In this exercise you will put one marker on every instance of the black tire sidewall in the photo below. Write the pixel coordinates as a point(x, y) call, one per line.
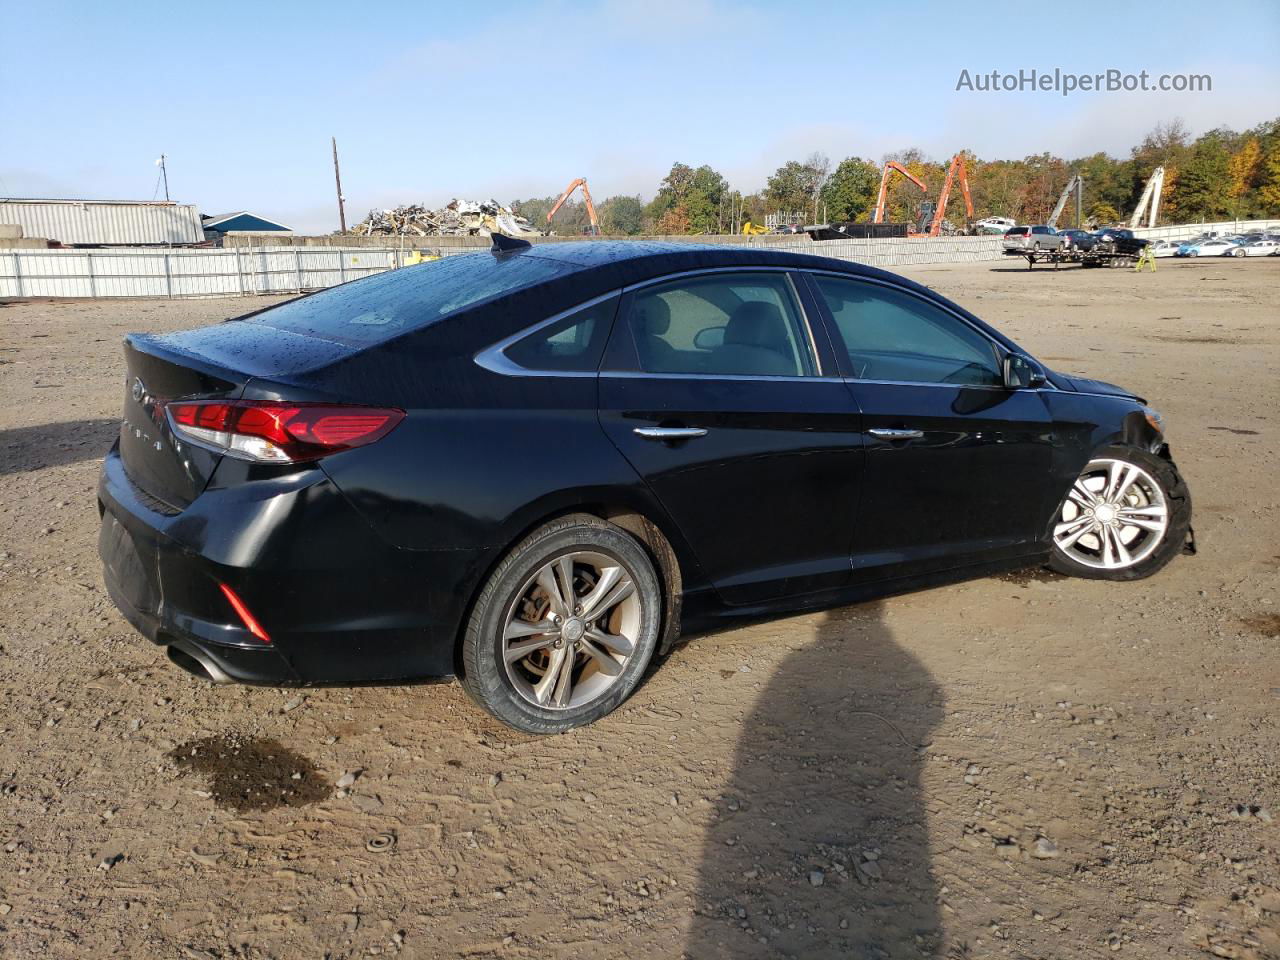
point(484, 676)
point(1176, 495)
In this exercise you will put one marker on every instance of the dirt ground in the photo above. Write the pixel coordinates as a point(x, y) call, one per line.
point(1024, 767)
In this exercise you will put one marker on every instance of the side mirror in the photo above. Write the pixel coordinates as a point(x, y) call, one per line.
point(1022, 373)
point(709, 338)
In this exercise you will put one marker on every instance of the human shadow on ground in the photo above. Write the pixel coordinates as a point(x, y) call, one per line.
point(55, 444)
point(821, 845)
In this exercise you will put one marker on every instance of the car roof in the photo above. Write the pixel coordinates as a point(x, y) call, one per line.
point(643, 259)
point(602, 265)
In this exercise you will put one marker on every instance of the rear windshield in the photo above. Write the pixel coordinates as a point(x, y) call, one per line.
point(378, 308)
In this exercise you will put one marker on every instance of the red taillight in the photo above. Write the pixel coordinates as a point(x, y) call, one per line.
point(247, 618)
point(279, 432)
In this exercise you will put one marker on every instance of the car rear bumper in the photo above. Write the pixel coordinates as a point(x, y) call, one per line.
point(338, 603)
point(218, 662)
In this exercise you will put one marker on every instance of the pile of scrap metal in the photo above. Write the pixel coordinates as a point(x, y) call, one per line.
point(461, 218)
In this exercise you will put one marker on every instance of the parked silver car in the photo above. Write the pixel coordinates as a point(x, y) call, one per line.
point(1029, 239)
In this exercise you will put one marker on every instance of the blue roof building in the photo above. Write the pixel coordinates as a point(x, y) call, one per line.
point(242, 222)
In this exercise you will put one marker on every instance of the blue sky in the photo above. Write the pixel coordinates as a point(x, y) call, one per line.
point(431, 100)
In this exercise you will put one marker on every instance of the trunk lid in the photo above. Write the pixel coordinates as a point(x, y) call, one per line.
point(208, 363)
point(162, 466)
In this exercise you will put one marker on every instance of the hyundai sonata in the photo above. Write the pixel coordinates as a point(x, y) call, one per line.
point(529, 467)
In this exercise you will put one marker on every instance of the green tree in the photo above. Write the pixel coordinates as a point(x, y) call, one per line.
point(795, 185)
point(850, 191)
point(1269, 190)
point(699, 193)
point(1168, 146)
point(1106, 186)
point(622, 216)
point(1203, 187)
point(1246, 170)
point(674, 221)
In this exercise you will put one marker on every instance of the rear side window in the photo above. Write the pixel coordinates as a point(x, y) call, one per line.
point(571, 344)
point(378, 308)
point(725, 324)
point(891, 335)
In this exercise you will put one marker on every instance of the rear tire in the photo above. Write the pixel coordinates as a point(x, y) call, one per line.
point(545, 662)
point(1125, 518)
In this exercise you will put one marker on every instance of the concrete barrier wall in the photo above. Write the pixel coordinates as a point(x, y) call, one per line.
point(1184, 231)
point(901, 251)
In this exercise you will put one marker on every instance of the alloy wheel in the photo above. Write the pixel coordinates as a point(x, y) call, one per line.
point(1113, 517)
point(571, 630)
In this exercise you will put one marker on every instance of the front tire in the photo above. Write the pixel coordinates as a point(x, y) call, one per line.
point(1125, 517)
point(564, 627)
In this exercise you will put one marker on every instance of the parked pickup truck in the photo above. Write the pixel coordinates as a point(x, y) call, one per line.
point(1024, 240)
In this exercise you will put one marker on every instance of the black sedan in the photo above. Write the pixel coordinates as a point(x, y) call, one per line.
point(1120, 240)
point(529, 467)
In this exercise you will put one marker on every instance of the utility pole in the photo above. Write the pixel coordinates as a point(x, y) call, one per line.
point(337, 179)
point(165, 174)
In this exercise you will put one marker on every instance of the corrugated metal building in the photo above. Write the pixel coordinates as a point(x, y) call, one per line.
point(105, 222)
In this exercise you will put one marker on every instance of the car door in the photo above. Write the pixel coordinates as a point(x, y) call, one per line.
point(717, 392)
point(958, 466)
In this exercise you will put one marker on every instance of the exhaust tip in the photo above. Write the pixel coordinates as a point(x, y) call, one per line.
point(196, 665)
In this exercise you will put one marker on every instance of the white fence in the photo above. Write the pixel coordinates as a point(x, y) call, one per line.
point(189, 273)
point(245, 272)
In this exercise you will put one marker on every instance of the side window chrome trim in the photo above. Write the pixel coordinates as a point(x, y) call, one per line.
point(643, 375)
point(797, 300)
point(1000, 347)
point(494, 358)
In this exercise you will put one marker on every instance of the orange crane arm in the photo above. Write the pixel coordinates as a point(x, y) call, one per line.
point(586, 195)
point(892, 165)
point(957, 168)
point(591, 209)
point(964, 190)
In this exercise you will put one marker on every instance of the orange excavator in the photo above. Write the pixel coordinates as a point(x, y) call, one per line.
point(955, 172)
point(890, 167)
point(594, 229)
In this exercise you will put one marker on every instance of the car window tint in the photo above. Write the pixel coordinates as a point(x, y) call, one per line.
point(741, 324)
point(891, 335)
point(573, 343)
point(378, 308)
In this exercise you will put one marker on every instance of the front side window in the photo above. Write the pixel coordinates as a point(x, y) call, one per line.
point(892, 335)
point(571, 344)
point(738, 324)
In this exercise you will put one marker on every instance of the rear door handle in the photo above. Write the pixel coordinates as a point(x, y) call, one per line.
point(887, 433)
point(670, 433)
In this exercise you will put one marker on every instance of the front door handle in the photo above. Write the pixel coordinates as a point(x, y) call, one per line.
point(670, 433)
point(887, 433)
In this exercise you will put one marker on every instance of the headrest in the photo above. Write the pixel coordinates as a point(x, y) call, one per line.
point(757, 324)
point(654, 317)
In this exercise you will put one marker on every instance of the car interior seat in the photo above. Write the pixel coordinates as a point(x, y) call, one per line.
point(653, 320)
point(756, 343)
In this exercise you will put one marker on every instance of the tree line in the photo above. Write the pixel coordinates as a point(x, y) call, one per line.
point(1220, 175)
